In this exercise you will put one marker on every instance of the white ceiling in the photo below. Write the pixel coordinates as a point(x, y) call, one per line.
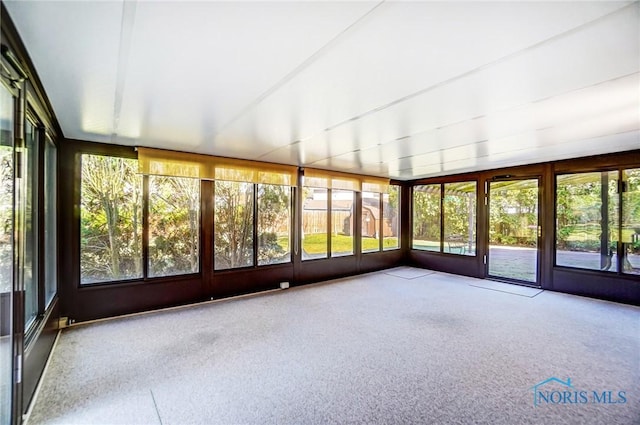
point(397, 89)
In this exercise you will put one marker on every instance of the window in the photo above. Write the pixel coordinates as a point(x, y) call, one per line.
point(459, 216)
point(252, 207)
point(426, 217)
point(233, 225)
point(380, 219)
point(6, 193)
point(589, 228)
point(370, 222)
point(274, 224)
point(329, 190)
point(30, 156)
point(6, 252)
point(110, 219)
point(447, 209)
point(174, 225)
point(587, 220)
point(391, 218)
point(631, 221)
point(341, 222)
point(50, 220)
point(314, 223)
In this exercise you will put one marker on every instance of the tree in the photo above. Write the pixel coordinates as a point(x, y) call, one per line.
point(111, 200)
point(390, 209)
point(274, 205)
point(513, 214)
point(426, 213)
point(174, 225)
point(6, 218)
point(233, 224)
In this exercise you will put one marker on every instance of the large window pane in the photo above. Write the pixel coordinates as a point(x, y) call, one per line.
point(391, 218)
point(174, 225)
point(631, 221)
point(341, 222)
point(30, 157)
point(314, 223)
point(6, 252)
point(587, 220)
point(426, 217)
point(111, 219)
point(513, 229)
point(233, 231)
point(274, 224)
point(50, 230)
point(370, 222)
point(459, 215)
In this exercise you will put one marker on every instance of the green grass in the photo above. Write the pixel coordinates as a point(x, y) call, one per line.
point(591, 232)
point(283, 241)
point(389, 242)
point(582, 232)
point(317, 243)
point(372, 244)
point(341, 244)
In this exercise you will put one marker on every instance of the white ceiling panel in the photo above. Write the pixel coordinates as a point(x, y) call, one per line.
point(186, 68)
point(555, 151)
point(216, 59)
point(578, 111)
point(74, 47)
point(533, 77)
point(398, 89)
point(394, 54)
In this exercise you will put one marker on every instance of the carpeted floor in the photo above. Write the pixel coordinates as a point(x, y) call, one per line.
point(375, 348)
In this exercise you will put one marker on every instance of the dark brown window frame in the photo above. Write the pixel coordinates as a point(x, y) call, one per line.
point(256, 239)
point(619, 245)
point(442, 183)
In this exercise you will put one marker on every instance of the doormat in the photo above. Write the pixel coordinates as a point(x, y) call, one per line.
point(523, 291)
point(408, 272)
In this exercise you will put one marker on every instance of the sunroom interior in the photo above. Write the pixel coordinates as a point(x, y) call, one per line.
point(159, 154)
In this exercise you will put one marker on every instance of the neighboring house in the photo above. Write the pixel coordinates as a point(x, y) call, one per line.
point(314, 216)
point(371, 220)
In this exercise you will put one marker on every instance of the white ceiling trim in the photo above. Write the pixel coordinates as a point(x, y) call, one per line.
point(126, 31)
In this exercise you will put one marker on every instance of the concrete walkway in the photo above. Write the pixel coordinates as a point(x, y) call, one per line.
point(521, 262)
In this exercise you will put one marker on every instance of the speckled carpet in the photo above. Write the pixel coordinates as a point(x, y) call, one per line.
point(371, 349)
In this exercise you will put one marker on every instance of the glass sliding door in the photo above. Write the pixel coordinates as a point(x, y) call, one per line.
point(30, 228)
point(513, 230)
point(370, 214)
point(6, 253)
point(342, 222)
point(587, 217)
point(391, 218)
point(459, 218)
point(631, 221)
point(315, 220)
point(274, 224)
point(426, 217)
point(50, 219)
point(233, 228)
